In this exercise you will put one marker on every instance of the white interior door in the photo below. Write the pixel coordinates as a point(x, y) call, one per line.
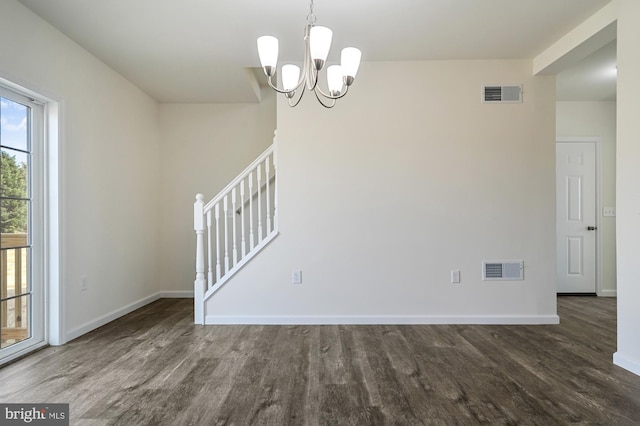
point(576, 217)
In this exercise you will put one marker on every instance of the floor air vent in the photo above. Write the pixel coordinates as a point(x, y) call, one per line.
point(503, 270)
point(495, 94)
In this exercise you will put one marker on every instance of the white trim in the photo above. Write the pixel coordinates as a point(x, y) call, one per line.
point(608, 293)
point(599, 175)
point(598, 149)
point(384, 319)
point(55, 291)
point(174, 294)
point(628, 363)
point(105, 319)
point(22, 352)
point(54, 303)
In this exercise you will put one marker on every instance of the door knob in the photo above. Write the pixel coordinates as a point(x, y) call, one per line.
point(591, 228)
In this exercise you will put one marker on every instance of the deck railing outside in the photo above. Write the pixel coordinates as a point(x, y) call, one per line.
point(14, 312)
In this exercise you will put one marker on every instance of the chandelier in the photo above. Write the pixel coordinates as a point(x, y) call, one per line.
point(317, 44)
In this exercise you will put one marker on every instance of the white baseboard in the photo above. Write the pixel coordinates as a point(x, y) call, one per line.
point(626, 362)
point(608, 293)
point(383, 319)
point(176, 294)
point(99, 322)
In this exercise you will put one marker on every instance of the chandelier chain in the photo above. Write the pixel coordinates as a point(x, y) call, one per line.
point(311, 18)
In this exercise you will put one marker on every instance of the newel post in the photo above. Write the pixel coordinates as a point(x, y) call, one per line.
point(200, 283)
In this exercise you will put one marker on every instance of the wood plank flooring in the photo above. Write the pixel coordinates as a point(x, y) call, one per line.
point(154, 367)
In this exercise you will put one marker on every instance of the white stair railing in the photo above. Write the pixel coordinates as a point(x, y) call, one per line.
point(231, 216)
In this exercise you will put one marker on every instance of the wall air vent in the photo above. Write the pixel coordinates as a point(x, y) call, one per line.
point(497, 94)
point(503, 270)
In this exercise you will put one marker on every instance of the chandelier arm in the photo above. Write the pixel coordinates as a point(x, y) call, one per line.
point(292, 105)
point(314, 74)
point(310, 73)
point(305, 67)
point(341, 95)
point(285, 92)
point(333, 101)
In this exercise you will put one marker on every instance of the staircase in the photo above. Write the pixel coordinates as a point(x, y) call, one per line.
point(234, 226)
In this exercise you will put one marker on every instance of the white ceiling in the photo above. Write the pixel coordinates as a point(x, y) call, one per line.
point(196, 50)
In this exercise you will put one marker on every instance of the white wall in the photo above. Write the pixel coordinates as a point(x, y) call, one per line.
point(409, 177)
point(109, 163)
point(628, 192)
point(203, 147)
point(597, 119)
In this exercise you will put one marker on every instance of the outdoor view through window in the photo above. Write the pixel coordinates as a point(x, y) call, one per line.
point(15, 249)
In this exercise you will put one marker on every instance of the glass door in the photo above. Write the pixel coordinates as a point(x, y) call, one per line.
point(21, 284)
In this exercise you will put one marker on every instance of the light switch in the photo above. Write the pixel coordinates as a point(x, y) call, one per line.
point(609, 211)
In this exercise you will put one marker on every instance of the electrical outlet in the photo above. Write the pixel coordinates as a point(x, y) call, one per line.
point(296, 276)
point(83, 283)
point(455, 276)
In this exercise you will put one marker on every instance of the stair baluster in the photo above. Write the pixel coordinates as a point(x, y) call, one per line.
point(259, 178)
point(233, 225)
point(243, 242)
point(267, 173)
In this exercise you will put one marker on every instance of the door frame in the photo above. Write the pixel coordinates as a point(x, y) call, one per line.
point(35, 244)
point(52, 195)
point(597, 141)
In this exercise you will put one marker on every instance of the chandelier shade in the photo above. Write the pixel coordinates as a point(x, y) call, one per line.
point(268, 51)
point(317, 45)
point(334, 79)
point(350, 61)
point(290, 76)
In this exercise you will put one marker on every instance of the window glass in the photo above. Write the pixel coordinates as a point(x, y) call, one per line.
point(14, 173)
point(14, 126)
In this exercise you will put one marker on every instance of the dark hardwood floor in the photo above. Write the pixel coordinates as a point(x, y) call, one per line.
point(155, 367)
